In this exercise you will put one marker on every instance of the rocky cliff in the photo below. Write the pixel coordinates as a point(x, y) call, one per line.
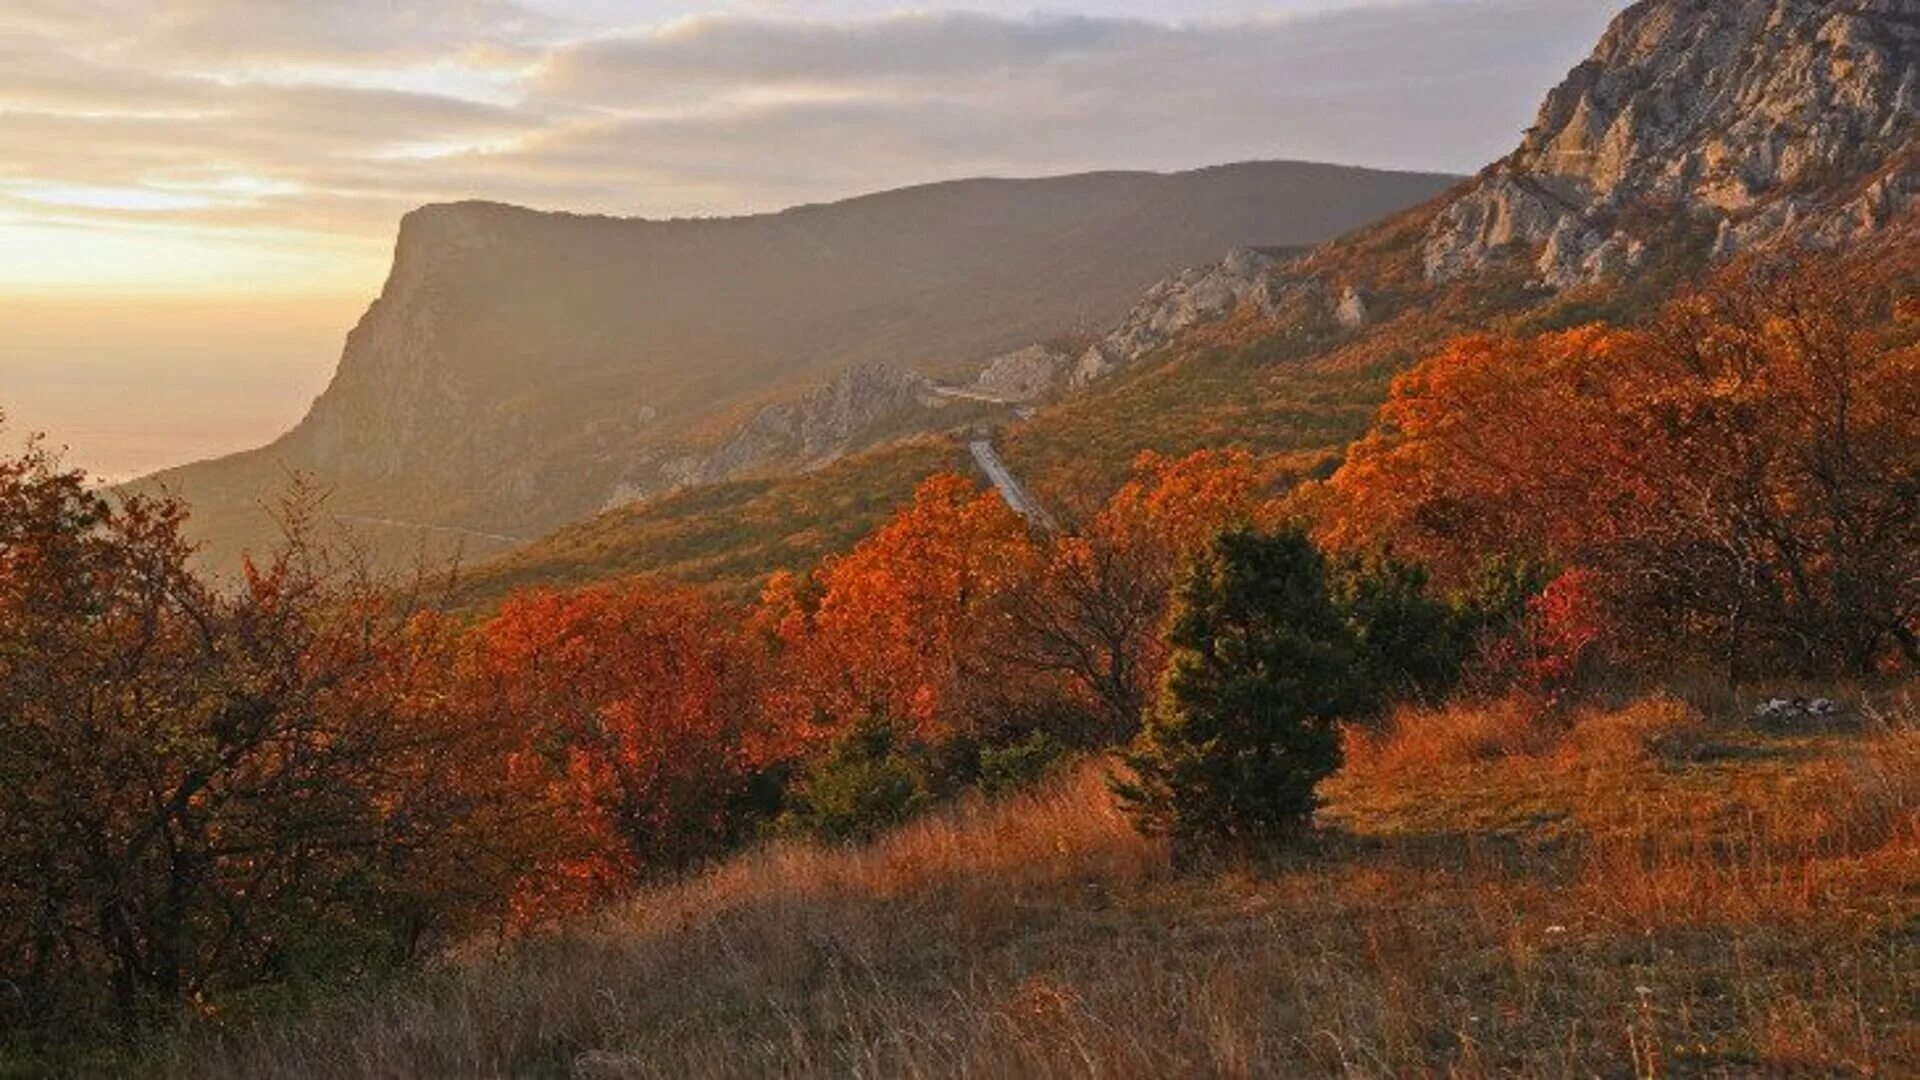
point(1726, 124)
point(1755, 122)
point(1197, 296)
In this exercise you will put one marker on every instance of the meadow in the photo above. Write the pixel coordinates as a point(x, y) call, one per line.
point(1651, 887)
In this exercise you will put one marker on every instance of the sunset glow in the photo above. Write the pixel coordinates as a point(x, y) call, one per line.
point(192, 149)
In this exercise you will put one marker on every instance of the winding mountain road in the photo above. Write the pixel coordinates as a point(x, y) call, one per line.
point(959, 393)
point(498, 538)
point(1009, 485)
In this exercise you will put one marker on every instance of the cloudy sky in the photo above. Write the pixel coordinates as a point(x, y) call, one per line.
point(203, 192)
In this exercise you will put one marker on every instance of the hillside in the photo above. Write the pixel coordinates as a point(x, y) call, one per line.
point(522, 369)
point(1482, 644)
point(1653, 891)
point(1696, 132)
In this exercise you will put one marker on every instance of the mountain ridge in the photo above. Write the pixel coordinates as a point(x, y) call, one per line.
point(1289, 356)
point(522, 368)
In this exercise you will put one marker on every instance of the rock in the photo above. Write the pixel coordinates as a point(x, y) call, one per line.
point(1569, 251)
point(1351, 313)
point(1498, 215)
point(1726, 244)
point(1797, 712)
point(809, 431)
point(1025, 374)
point(1201, 295)
point(1726, 109)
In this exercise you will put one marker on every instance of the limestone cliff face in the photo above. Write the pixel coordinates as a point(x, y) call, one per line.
point(1767, 120)
point(400, 387)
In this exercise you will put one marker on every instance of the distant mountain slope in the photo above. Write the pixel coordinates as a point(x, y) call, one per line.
point(1699, 129)
point(521, 369)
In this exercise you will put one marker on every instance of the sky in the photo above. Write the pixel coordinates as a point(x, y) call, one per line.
point(198, 197)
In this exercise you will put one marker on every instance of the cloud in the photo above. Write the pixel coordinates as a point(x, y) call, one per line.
point(230, 34)
point(706, 52)
point(337, 117)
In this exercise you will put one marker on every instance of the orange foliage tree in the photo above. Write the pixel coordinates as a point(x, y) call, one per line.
point(1093, 616)
point(205, 788)
point(900, 626)
point(637, 706)
point(1742, 476)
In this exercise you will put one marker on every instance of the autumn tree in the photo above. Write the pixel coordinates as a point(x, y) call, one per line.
point(901, 626)
point(1095, 611)
point(638, 704)
point(206, 788)
point(1741, 477)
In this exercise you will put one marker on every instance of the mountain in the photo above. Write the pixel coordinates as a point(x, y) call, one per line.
point(1697, 130)
point(521, 369)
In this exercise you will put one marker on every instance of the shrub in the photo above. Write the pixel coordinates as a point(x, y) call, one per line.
point(860, 787)
point(1261, 668)
point(1557, 649)
point(1412, 644)
point(1014, 766)
point(208, 789)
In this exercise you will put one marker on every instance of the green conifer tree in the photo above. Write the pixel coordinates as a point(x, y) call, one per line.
point(1261, 668)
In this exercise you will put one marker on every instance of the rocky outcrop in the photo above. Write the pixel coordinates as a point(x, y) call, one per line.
point(1196, 296)
point(1028, 374)
point(1746, 113)
point(1353, 312)
point(811, 430)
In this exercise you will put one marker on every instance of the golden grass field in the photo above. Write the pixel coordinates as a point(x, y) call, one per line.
point(1644, 890)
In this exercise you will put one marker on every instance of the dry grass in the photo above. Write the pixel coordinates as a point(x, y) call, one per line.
point(1646, 891)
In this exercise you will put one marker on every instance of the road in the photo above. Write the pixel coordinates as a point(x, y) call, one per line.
point(498, 538)
point(971, 395)
point(1008, 485)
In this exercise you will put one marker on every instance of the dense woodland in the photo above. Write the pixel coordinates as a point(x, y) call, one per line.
point(214, 795)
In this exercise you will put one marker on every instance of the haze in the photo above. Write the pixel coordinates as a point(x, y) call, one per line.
point(197, 198)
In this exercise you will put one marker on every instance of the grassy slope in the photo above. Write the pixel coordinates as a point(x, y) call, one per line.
point(728, 534)
point(1653, 892)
